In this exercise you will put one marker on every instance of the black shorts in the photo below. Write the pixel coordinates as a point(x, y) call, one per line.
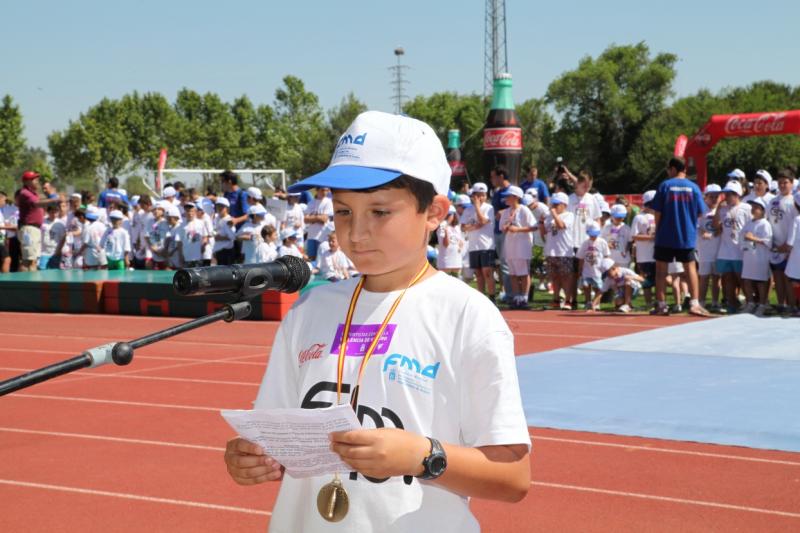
point(3, 252)
point(648, 272)
point(668, 255)
point(482, 259)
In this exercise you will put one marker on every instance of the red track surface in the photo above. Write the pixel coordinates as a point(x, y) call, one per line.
point(140, 448)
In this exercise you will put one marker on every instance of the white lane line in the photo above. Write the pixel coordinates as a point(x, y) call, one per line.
point(588, 322)
point(28, 352)
point(534, 438)
point(105, 339)
point(128, 496)
point(700, 503)
point(562, 335)
point(152, 378)
point(113, 439)
point(115, 402)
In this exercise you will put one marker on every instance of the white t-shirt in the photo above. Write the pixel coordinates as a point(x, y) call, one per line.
point(295, 219)
point(593, 252)
point(733, 220)
point(52, 233)
point(540, 211)
point(793, 262)
point(222, 228)
point(141, 222)
point(94, 255)
point(707, 248)
point(644, 224)
point(768, 196)
point(483, 237)
point(449, 256)
point(116, 242)
point(265, 252)
point(558, 242)
point(780, 214)
point(446, 369)
point(208, 222)
point(755, 257)
point(334, 264)
point(291, 249)
point(11, 217)
point(157, 237)
point(318, 207)
point(619, 282)
point(586, 209)
point(518, 245)
point(253, 229)
point(171, 245)
point(619, 240)
point(190, 235)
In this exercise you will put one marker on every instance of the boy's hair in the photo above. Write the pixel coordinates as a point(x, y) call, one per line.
point(584, 177)
point(678, 163)
point(266, 231)
point(52, 207)
point(114, 182)
point(422, 191)
point(501, 170)
point(145, 200)
point(228, 176)
point(785, 173)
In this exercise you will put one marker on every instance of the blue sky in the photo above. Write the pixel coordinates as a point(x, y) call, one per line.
point(59, 58)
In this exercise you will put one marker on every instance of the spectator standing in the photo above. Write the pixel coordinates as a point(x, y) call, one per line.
point(250, 232)
point(318, 214)
point(477, 221)
point(618, 236)
point(94, 256)
point(708, 247)
point(500, 183)
point(591, 254)
point(533, 183)
point(559, 250)
point(643, 230)
point(585, 209)
point(9, 213)
point(192, 237)
point(517, 224)
point(756, 245)
point(54, 235)
point(31, 217)
point(117, 242)
point(677, 205)
point(781, 212)
point(730, 219)
point(172, 239)
point(224, 233)
point(450, 244)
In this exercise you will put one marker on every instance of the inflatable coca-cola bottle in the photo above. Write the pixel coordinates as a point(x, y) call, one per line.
point(458, 170)
point(502, 135)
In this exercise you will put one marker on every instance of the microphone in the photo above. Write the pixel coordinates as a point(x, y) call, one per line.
point(286, 274)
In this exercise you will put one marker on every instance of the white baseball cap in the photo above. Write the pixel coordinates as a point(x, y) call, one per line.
point(606, 264)
point(528, 198)
point(619, 211)
point(513, 190)
point(758, 201)
point(288, 233)
point(221, 200)
point(76, 195)
point(379, 147)
point(479, 187)
point(255, 193)
point(605, 208)
point(92, 213)
point(593, 229)
point(463, 200)
point(733, 186)
point(648, 196)
point(712, 188)
point(451, 210)
point(737, 173)
point(116, 213)
point(559, 198)
point(764, 175)
point(168, 192)
point(257, 209)
point(173, 211)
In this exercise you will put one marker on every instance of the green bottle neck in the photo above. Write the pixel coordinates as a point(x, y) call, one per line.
point(453, 139)
point(501, 94)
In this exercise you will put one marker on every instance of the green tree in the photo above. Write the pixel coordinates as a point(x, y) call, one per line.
point(340, 117)
point(604, 105)
point(301, 137)
point(537, 131)
point(72, 157)
point(246, 124)
point(12, 140)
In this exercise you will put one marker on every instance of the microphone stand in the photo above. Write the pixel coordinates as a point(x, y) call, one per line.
point(121, 353)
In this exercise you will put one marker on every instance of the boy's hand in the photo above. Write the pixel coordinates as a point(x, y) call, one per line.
point(249, 465)
point(382, 453)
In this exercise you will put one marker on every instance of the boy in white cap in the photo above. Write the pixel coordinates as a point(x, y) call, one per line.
point(781, 213)
point(793, 246)
point(643, 234)
point(295, 216)
point(289, 244)
point(730, 218)
point(250, 232)
point(585, 207)
point(117, 242)
point(478, 223)
point(172, 239)
point(54, 235)
point(757, 245)
point(708, 237)
point(591, 254)
point(318, 214)
point(559, 251)
point(761, 185)
point(156, 236)
point(623, 281)
point(430, 439)
point(450, 244)
point(192, 237)
point(224, 233)
point(517, 224)
point(94, 256)
point(618, 236)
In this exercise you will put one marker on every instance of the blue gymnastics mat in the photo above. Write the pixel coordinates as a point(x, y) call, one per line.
point(733, 380)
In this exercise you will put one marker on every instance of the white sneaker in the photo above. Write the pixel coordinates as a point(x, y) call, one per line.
point(624, 308)
point(761, 310)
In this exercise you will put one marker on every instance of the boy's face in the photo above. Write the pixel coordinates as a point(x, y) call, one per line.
point(711, 199)
point(333, 242)
point(190, 214)
point(581, 188)
point(613, 271)
point(785, 186)
point(616, 221)
point(757, 212)
point(116, 223)
point(760, 186)
point(382, 232)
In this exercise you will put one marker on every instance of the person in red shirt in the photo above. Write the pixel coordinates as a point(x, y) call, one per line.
point(31, 217)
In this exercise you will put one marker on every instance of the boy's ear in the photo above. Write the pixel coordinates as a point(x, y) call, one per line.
point(437, 211)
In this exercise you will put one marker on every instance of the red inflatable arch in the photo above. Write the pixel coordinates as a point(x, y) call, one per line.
point(721, 126)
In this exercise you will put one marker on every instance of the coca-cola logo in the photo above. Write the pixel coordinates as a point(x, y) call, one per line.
point(312, 352)
point(502, 139)
point(458, 168)
point(766, 123)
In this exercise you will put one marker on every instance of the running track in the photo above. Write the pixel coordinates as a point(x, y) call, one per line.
point(140, 448)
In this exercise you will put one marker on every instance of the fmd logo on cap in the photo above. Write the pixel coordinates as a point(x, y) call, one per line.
point(380, 147)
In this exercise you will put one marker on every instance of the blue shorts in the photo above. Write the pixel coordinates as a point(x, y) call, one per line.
point(732, 266)
point(779, 267)
point(594, 283)
point(312, 246)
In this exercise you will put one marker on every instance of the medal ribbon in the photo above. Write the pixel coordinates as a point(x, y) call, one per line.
point(346, 334)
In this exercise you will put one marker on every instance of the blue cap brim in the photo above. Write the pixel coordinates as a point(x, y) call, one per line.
point(347, 177)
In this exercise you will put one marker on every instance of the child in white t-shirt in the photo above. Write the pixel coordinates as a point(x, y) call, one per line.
point(192, 237)
point(266, 251)
point(289, 244)
point(430, 440)
point(518, 224)
point(757, 246)
point(334, 265)
point(224, 233)
point(590, 257)
point(450, 244)
point(618, 236)
point(94, 256)
point(731, 217)
point(117, 242)
point(781, 213)
point(172, 238)
point(156, 236)
point(793, 248)
point(54, 234)
point(623, 281)
point(208, 224)
point(643, 231)
point(708, 247)
point(250, 232)
point(556, 230)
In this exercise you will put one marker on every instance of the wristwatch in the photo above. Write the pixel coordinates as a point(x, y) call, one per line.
point(435, 463)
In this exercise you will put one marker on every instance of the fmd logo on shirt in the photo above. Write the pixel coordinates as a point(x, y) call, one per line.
point(409, 372)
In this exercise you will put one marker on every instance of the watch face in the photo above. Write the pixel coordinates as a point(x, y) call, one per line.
point(437, 465)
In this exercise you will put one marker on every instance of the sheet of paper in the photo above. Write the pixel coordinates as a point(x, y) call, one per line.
point(277, 208)
point(296, 438)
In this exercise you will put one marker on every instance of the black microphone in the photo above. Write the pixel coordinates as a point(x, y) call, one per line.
point(286, 274)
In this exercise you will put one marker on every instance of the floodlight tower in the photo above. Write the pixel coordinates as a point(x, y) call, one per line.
point(494, 44)
point(398, 81)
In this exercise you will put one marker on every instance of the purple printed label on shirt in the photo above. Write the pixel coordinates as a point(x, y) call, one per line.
point(361, 336)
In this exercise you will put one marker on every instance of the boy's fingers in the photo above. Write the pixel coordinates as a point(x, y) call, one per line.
point(247, 461)
point(246, 447)
point(357, 437)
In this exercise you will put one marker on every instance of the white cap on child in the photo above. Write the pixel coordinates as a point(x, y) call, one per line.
point(559, 198)
point(528, 198)
point(169, 192)
point(648, 196)
point(734, 187)
point(116, 214)
point(380, 147)
point(619, 211)
point(255, 193)
point(173, 211)
point(479, 187)
point(712, 188)
point(606, 264)
point(257, 209)
point(221, 200)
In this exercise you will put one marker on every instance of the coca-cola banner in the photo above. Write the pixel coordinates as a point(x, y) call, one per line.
point(502, 139)
point(458, 168)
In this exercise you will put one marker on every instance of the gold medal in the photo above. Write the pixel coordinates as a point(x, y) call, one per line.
point(332, 501)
